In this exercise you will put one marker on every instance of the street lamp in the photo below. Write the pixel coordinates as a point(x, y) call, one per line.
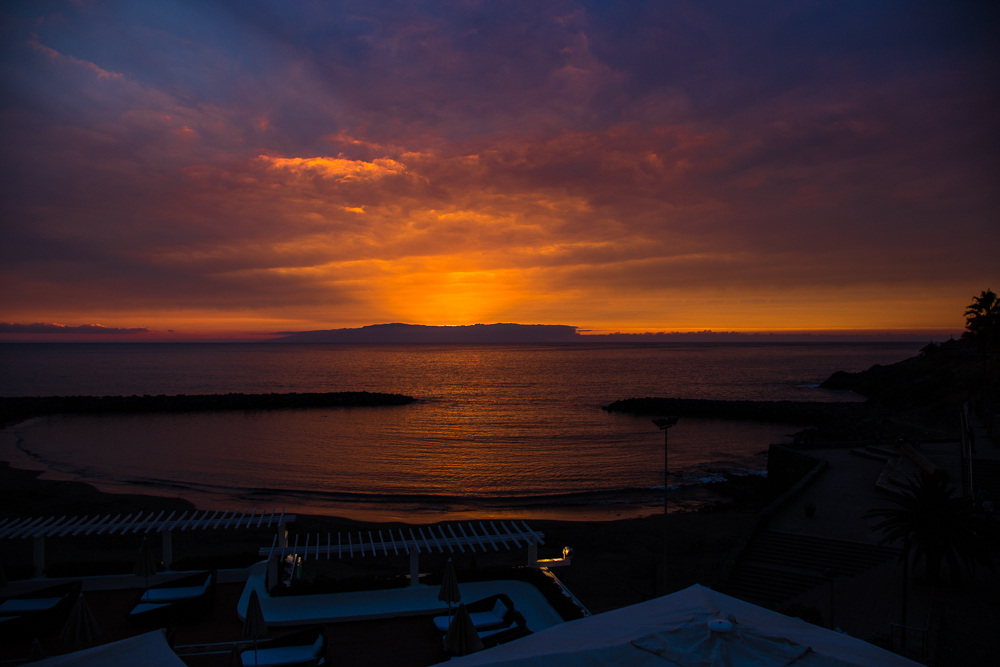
point(664, 423)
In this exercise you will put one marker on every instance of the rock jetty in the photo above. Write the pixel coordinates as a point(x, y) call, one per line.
point(20, 408)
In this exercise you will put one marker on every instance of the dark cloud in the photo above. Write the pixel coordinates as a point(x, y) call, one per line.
point(406, 160)
point(40, 328)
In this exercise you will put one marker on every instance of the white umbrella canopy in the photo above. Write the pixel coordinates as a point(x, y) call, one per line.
point(81, 626)
point(449, 591)
point(145, 566)
point(708, 641)
point(36, 653)
point(462, 638)
point(149, 650)
point(635, 636)
point(234, 657)
point(254, 625)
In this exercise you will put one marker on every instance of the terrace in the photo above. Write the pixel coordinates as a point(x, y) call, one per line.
point(392, 625)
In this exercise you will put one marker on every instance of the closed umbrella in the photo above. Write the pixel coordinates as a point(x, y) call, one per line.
point(254, 625)
point(145, 566)
point(81, 626)
point(462, 638)
point(449, 588)
point(36, 651)
point(3, 577)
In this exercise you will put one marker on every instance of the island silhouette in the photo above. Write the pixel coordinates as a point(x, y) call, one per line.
point(507, 332)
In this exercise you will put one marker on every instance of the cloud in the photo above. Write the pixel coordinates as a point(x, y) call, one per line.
point(350, 163)
point(335, 168)
point(44, 328)
point(55, 56)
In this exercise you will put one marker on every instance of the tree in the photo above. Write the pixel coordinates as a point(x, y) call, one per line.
point(982, 322)
point(938, 527)
point(982, 329)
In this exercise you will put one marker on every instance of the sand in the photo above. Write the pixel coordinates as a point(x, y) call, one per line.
point(616, 563)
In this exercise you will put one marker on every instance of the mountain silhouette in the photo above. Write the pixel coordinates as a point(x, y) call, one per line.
point(420, 333)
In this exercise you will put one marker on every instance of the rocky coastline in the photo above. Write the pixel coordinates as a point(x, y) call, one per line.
point(779, 412)
point(915, 398)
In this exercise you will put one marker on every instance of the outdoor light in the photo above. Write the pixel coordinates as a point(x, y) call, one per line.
point(567, 552)
point(664, 424)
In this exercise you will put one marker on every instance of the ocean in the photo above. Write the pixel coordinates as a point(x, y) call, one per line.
point(497, 430)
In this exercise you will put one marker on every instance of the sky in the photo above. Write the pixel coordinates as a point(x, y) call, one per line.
point(237, 168)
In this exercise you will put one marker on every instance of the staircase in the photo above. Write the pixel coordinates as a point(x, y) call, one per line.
point(780, 566)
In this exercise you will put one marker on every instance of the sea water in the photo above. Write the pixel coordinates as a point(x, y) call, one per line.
point(495, 429)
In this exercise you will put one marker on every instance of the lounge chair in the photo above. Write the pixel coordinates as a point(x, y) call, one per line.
point(176, 602)
point(517, 629)
point(496, 611)
point(38, 610)
point(293, 649)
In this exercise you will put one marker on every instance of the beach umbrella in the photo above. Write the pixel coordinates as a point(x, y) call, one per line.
point(145, 566)
point(36, 653)
point(462, 638)
point(81, 626)
point(235, 657)
point(254, 625)
point(449, 587)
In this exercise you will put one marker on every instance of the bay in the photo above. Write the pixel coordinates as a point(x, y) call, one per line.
point(496, 430)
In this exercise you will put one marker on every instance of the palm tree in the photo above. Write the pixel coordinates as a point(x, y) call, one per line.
point(982, 321)
point(938, 527)
point(982, 329)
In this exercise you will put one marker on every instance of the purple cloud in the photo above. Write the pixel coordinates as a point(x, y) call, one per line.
point(348, 163)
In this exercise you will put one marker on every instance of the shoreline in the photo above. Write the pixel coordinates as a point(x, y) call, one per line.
point(615, 564)
point(606, 505)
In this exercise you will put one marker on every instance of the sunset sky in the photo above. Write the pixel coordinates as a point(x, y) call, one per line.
point(228, 167)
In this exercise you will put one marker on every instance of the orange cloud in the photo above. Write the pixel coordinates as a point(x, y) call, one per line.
point(652, 167)
point(335, 168)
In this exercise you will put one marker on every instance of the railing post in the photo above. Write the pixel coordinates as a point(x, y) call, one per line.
point(414, 567)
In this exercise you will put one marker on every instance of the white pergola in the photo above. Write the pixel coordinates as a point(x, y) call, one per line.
point(39, 528)
point(414, 541)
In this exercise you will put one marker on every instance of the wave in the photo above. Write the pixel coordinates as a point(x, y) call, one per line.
point(651, 495)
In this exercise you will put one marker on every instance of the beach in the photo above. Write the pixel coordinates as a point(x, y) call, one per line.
point(615, 562)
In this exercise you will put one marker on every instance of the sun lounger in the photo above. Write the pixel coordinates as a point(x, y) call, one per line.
point(290, 650)
point(15, 607)
point(38, 611)
point(499, 615)
point(517, 629)
point(176, 602)
point(173, 594)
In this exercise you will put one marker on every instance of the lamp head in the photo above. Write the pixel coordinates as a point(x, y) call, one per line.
point(665, 422)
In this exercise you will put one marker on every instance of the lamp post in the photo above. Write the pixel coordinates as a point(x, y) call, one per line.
point(664, 424)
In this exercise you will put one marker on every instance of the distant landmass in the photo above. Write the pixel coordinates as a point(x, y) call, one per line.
point(560, 333)
point(420, 333)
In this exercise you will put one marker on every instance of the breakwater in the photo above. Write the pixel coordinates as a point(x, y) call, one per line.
point(13, 409)
point(778, 412)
